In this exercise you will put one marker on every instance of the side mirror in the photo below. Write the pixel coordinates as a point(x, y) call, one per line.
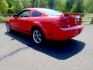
point(15, 16)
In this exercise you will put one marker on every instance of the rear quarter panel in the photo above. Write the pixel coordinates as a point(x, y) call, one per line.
point(49, 25)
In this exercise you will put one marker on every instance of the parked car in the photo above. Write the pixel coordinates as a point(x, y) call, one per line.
point(45, 24)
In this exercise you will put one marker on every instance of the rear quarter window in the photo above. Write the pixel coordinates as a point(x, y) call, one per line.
point(36, 14)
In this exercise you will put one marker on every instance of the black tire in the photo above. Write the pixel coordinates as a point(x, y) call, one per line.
point(8, 28)
point(38, 36)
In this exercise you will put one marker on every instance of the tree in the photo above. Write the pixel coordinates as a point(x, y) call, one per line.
point(3, 6)
point(26, 3)
point(69, 4)
point(78, 6)
point(10, 3)
point(17, 5)
point(51, 4)
point(33, 3)
point(61, 5)
point(88, 6)
point(42, 3)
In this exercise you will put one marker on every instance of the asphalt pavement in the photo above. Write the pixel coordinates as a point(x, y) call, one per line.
point(18, 52)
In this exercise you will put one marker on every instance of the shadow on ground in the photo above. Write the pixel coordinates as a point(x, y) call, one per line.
point(57, 49)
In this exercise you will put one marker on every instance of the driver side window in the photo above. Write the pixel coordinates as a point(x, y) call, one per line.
point(24, 14)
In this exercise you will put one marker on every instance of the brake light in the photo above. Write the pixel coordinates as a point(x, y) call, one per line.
point(69, 20)
point(77, 19)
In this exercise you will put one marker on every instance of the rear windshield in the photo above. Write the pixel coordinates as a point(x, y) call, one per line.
point(51, 12)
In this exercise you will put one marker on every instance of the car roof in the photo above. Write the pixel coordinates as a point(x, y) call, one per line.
point(42, 10)
point(37, 9)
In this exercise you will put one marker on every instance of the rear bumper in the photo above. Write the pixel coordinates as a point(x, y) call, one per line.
point(72, 28)
point(66, 33)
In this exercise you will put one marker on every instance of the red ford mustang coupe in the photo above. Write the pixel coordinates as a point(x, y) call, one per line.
point(44, 24)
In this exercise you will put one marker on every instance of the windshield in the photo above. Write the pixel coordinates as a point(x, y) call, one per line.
point(51, 12)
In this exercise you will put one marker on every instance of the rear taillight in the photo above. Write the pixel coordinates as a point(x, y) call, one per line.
point(69, 20)
point(77, 19)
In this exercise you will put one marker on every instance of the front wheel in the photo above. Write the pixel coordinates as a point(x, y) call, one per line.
point(38, 36)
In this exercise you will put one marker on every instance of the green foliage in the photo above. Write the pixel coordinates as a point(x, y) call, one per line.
point(86, 5)
point(3, 6)
point(17, 5)
point(91, 21)
point(35, 3)
point(9, 2)
point(39, 3)
point(51, 4)
point(2, 19)
point(43, 4)
point(26, 3)
point(61, 5)
point(69, 4)
point(78, 6)
point(89, 6)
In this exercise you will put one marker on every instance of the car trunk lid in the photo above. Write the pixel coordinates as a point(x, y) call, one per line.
point(70, 19)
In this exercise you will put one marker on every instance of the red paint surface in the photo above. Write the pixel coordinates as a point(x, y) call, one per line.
point(52, 26)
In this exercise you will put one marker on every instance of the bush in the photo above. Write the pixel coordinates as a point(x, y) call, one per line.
point(17, 5)
point(91, 21)
point(69, 4)
point(2, 19)
point(61, 5)
point(3, 6)
point(78, 6)
point(88, 6)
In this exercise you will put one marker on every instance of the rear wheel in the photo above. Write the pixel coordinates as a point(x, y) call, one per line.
point(8, 27)
point(38, 36)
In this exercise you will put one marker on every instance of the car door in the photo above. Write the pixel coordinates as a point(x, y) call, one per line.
point(23, 20)
point(20, 20)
